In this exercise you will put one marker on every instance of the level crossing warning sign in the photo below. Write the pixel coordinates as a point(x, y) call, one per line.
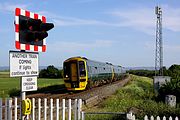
point(29, 83)
point(23, 64)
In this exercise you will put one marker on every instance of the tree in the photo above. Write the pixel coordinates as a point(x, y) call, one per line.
point(50, 72)
point(174, 71)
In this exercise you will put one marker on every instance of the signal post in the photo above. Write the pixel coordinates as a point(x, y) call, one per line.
point(30, 33)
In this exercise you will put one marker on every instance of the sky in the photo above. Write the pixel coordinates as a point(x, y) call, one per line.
point(121, 32)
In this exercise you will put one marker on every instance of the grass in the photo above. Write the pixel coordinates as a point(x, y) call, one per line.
point(4, 74)
point(136, 96)
point(8, 84)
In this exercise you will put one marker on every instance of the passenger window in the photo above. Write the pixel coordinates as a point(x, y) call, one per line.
point(82, 70)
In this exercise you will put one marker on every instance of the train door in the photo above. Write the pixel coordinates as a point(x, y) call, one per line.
point(74, 72)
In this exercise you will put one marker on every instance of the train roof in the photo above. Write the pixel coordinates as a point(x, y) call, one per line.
point(89, 60)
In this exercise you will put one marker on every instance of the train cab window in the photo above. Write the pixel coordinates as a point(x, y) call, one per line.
point(66, 70)
point(82, 70)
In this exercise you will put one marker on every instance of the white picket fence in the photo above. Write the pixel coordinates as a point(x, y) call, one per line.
point(53, 110)
point(42, 109)
point(132, 117)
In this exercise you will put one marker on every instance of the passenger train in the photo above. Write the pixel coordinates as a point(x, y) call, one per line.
point(81, 73)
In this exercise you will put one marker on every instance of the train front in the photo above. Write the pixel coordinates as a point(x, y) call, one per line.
point(75, 73)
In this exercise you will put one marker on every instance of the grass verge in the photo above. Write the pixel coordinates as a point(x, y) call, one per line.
point(11, 86)
point(137, 96)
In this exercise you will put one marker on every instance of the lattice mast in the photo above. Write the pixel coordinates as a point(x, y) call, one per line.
point(159, 45)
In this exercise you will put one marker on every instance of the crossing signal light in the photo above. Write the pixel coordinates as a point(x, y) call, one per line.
point(33, 31)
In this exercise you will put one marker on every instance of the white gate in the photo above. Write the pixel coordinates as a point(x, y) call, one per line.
point(53, 109)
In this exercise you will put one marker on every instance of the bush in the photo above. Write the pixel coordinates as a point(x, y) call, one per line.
point(170, 88)
point(50, 72)
point(174, 71)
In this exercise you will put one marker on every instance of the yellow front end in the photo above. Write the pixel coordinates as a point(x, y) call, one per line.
point(75, 74)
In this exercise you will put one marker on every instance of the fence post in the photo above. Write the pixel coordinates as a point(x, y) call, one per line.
point(152, 117)
point(170, 118)
point(1, 109)
point(164, 117)
point(33, 109)
point(83, 117)
point(145, 117)
point(57, 109)
point(15, 108)
point(129, 116)
point(75, 109)
point(79, 108)
point(6, 109)
point(63, 109)
point(158, 118)
point(39, 109)
point(45, 109)
point(51, 109)
point(10, 109)
point(133, 117)
point(69, 109)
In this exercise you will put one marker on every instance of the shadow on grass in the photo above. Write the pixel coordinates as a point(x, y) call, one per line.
point(54, 89)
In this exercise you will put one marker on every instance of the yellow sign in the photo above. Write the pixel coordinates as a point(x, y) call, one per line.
point(26, 107)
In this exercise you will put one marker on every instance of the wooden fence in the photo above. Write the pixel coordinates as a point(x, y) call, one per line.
point(42, 109)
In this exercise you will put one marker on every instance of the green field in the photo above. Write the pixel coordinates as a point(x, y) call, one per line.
point(8, 84)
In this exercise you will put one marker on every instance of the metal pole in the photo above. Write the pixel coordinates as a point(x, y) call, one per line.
point(23, 97)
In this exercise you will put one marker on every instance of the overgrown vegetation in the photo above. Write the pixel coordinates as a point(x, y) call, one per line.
point(138, 97)
point(50, 72)
point(170, 88)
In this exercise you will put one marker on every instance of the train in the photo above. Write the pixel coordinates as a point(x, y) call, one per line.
point(80, 73)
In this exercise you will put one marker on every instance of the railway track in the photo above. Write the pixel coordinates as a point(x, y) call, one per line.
point(90, 97)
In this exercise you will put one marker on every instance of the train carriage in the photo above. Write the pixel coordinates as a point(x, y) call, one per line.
point(81, 73)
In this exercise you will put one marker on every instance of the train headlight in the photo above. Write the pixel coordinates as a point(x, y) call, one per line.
point(66, 76)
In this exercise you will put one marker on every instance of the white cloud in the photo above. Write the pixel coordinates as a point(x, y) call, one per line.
point(140, 18)
point(72, 21)
point(9, 7)
point(63, 46)
point(68, 21)
point(144, 19)
point(171, 18)
point(172, 48)
point(86, 1)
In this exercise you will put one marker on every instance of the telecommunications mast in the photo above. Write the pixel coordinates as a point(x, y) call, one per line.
point(159, 45)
